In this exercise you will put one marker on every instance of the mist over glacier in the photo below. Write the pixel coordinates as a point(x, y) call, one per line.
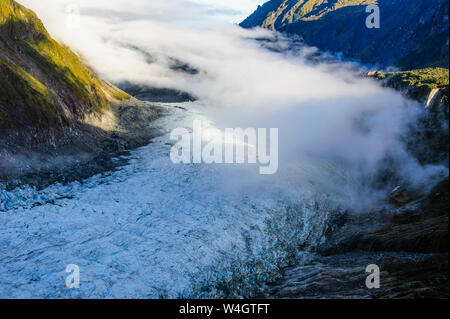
point(337, 130)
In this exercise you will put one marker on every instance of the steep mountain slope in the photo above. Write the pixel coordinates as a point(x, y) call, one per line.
point(43, 84)
point(276, 14)
point(413, 34)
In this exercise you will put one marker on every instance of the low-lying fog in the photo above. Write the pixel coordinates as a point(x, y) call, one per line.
point(336, 129)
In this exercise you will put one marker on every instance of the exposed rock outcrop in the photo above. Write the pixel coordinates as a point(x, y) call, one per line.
point(409, 244)
point(429, 139)
point(56, 114)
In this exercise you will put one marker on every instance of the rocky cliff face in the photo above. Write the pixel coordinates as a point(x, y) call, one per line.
point(413, 34)
point(44, 86)
point(277, 14)
point(429, 139)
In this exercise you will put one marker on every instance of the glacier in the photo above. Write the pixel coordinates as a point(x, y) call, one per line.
point(152, 229)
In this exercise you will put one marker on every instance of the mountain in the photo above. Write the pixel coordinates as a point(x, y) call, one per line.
point(276, 14)
point(44, 86)
point(413, 34)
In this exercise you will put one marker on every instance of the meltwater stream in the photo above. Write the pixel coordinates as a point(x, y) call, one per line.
point(152, 229)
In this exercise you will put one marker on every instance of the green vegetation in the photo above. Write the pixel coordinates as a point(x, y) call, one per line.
point(43, 83)
point(418, 83)
point(430, 78)
point(308, 10)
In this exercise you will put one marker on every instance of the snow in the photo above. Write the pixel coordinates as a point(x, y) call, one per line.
point(149, 230)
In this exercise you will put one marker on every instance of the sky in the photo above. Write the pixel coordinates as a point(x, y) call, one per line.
point(199, 13)
point(238, 10)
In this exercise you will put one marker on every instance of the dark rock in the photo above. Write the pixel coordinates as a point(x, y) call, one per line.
point(400, 196)
point(423, 279)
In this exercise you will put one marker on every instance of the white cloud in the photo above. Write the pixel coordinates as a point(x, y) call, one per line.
point(324, 112)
